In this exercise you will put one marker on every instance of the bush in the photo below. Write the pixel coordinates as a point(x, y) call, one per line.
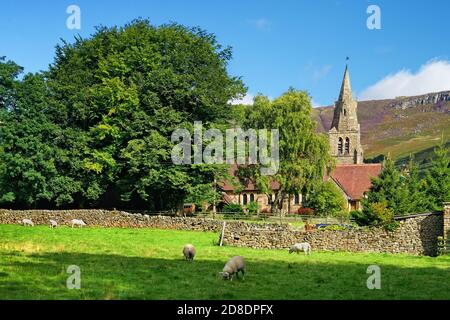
point(375, 214)
point(233, 208)
point(326, 200)
point(307, 211)
point(253, 207)
point(336, 227)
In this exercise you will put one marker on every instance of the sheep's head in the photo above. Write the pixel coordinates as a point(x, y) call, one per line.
point(225, 275)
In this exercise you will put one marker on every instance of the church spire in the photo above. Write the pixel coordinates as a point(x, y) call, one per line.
point(345, 131)
point(346, 89)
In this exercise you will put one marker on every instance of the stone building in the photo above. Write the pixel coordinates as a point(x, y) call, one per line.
point(249, 193)
point(351, 175)
point(345, 142)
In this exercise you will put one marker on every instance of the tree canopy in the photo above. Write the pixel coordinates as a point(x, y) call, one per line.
point(95, 129)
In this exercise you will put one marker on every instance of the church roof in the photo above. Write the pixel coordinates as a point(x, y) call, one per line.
point(355, 179)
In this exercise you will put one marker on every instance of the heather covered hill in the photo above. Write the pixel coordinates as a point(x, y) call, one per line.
point(398, 126)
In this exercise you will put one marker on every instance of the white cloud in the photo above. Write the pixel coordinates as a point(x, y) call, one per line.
point(433, 76)
point(247, 100)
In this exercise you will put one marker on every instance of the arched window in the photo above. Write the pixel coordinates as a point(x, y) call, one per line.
point(252, 197)
point(345, 112)
point(347, 145)
point(340, 146)
point(244, 199)
point(297, 199)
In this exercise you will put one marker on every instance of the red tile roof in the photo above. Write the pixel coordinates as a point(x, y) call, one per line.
point(355, 179)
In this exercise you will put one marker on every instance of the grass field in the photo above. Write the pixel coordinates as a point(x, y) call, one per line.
point(148, 264)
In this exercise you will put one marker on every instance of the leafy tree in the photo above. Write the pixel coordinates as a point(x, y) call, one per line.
point(376, 214)
point(304, 154)
point(96, 128)
point(419, 201)
point(391, 188)
point(437, 178)
point(327, 200)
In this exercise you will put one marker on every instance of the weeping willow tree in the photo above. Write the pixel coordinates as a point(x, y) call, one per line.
point(304, 155)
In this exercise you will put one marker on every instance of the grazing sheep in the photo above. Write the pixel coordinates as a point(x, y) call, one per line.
point(189, 252)
point(53, 223)
point(27, 222)
point(233, 266)
point(304, 246)
point(77, 222)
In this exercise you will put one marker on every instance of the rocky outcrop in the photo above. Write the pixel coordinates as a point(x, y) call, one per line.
point(426, 99)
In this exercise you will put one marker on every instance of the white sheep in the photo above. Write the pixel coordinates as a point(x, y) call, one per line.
point(304, 246)
point(77, 222)
point(233, 266)
point(27, 222)
point(53, 223)
point(189, 252)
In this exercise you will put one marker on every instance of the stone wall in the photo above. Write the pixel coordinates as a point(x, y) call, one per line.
point(105, 218)
point(416, 235)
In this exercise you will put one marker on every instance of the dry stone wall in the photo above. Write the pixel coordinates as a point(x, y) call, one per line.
point(105, 218)
point(416, 235)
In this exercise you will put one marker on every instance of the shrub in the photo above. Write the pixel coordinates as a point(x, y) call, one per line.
point(307, 211)
point(335, 227)
point(253, 207)
point(374, 214)
point(233, 208)
point(326, 200)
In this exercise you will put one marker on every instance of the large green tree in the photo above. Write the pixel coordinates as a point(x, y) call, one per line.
point(102, 135)
point(437, 178)
point(303, 153)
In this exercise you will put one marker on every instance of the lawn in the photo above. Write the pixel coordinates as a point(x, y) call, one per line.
point(148, 264)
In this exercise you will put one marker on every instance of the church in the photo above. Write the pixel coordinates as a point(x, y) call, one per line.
point(352, 176)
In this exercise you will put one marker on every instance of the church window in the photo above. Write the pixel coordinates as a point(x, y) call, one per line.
point(347, 145)
point(244, 199)
point(345, 112)
point(297, 199)
point(252, 197)
point(340, 146)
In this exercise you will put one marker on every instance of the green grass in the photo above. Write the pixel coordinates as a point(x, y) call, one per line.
point(148, 264)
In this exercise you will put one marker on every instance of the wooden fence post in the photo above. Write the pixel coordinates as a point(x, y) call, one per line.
point(223, 233)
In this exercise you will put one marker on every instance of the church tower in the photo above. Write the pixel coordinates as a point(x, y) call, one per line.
point(344, 133)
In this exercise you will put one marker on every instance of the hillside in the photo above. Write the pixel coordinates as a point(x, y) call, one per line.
point(398, 126)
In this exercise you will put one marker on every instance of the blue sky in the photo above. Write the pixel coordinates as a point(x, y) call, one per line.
point(276, 44)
